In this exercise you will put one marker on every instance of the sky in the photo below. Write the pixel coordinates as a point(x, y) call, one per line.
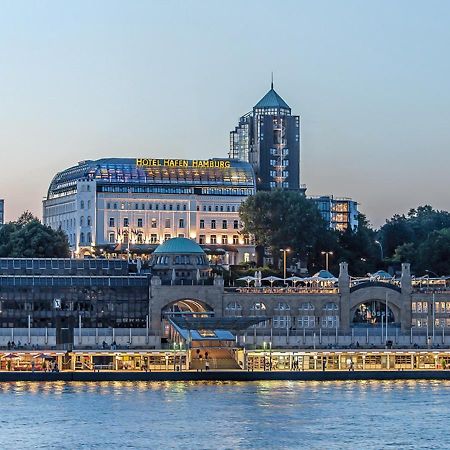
point(92, 79)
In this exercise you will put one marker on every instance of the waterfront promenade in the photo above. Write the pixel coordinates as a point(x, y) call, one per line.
point(224, 365)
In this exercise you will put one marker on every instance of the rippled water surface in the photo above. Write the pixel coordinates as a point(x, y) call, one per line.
point(259, 415)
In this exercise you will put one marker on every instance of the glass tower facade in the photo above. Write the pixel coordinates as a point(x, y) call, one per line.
point(268, 138)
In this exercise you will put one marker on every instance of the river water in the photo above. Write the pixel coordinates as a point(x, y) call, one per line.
point(206, 415)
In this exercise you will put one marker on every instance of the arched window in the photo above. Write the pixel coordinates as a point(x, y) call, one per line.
point(89, 238)
point(330, 306)
point(233, 309)
point(306, 306)
point(89, 223)
point(283, 306)
point(258, 309)
point(81, 238)
point(81, 221)
point(82, 204)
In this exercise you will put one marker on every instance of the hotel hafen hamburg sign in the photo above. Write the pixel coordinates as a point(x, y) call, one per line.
point(197, 163)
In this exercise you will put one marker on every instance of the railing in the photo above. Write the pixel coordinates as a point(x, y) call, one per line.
point(283, 290)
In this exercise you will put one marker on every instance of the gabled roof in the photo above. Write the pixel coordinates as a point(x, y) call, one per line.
point(272, 100)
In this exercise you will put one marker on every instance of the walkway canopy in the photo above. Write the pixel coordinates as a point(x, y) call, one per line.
point(212, 328)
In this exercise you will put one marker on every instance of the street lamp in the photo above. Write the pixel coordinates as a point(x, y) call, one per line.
point(327, 254)
point(381, 249)
point(285, 251)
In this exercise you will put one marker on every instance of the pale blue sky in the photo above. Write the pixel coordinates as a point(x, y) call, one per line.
point(91, 79)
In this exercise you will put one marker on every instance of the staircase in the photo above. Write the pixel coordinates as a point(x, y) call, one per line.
point(218, 359)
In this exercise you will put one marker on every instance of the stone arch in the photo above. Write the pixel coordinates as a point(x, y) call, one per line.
point(376, 294)
point(190, 305)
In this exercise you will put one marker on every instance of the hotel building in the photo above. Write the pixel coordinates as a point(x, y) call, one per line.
point(120, 205)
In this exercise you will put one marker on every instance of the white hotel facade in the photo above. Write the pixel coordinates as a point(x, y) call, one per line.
point(129, 206)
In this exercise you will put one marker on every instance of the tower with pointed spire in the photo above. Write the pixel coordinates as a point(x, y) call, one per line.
point(269, 138)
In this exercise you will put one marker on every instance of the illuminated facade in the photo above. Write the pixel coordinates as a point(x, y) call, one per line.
point(120, 205)
point(269, 138)
point(86, 301)
point(338, 213)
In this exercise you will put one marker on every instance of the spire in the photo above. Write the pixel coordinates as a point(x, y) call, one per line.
point(271, 84)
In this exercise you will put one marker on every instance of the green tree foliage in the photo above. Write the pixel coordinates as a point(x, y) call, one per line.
point(434, 253)
point(358, 249)
point(28, 238)
point(283, 219)
point(414, 227)
point(409, 239)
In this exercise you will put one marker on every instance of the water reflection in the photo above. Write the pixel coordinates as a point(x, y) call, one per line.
point(224, 415)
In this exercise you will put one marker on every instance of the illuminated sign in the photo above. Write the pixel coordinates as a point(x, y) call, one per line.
point(198, 163)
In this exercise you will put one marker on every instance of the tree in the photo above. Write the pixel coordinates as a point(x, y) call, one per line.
point(281, 219)
point(358, 249)
point(29, 238)
point(434, 253)
point(414, 228)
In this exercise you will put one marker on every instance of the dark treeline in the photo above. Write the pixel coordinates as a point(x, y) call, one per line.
point(281, 219)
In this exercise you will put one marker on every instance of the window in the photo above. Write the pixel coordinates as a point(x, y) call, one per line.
point(81, 221)
point(202, 239)
point(236, 224)
point(306, 306)
point(167, 237)
point(233, 309)
point(281, 321)
point(235, 239)
point(89, 222)
point(306, 321)
point(167, 223)
point(111, 222)
point(82, 204)
point(81, 238)
point(329, 321)
point(213, 239)
point(140, 238)
point(126, 222)
point(246, 239)
point(139, 223)
point(181, 223)
point(202, 223)
point(89, 238)
point(224, 225)
point(153, 238)
point(112, 238)
point(224, 239)
point(154, 223)
point(213, 224)
point(89, 204)
point(330, 307)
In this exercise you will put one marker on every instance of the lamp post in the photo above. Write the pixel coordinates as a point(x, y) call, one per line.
point(327, 255)
point(381, 249)
point(285, 251)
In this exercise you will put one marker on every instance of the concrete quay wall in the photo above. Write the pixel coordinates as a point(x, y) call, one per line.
point(225, 376)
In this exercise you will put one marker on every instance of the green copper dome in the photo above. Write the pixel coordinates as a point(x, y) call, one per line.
point(179, 246)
